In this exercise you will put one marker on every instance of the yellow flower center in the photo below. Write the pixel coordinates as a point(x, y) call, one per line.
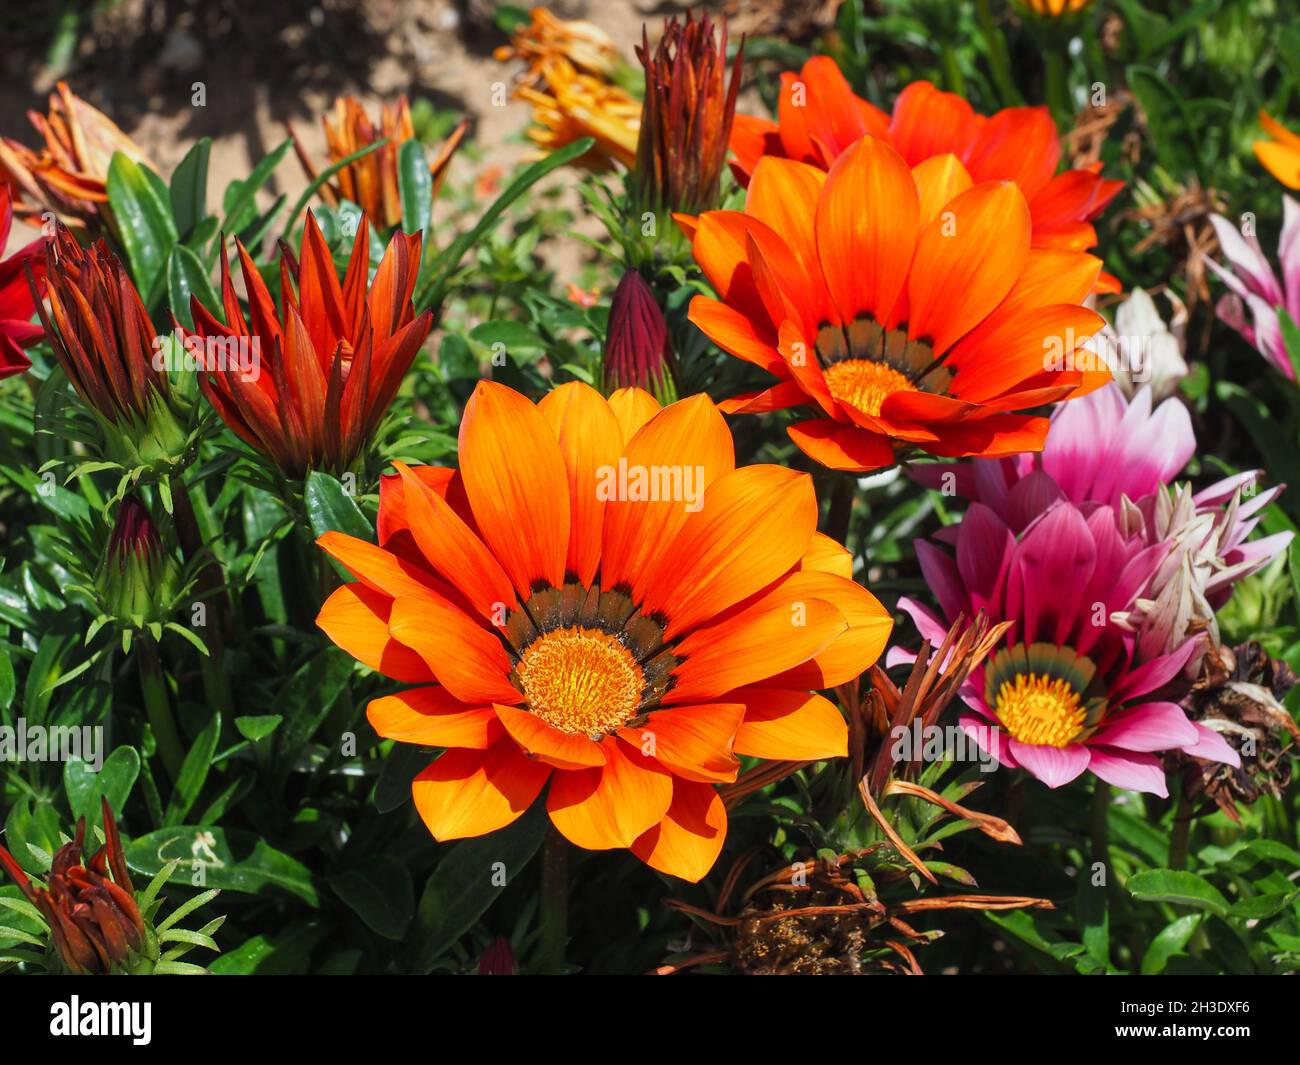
point(581, 681)
point(864, 383)
point(1040, 710)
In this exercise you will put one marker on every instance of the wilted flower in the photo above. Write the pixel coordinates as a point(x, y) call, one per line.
point(1145, 350)
point(638, 352)
point(137, 580)
point(329, 363)
point(17, 300)
point(1240, 695)
point(574, 629)
point(94, 922)
point(1254, 285)
point(904, 307)
point(568, 106)
point(583, 44)
point(68, 175)
point(819, 118)
point(371, 182)
point(687, 115)
point(104, 340)
point(1069, 692)
point(1281, 155)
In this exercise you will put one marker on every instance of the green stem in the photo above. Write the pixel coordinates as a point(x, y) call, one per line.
point(210, 586)
point(1058, 93)
point(555, 903)
point(1099, 822)
point(158, 707)
point(1181, 834)
point(841, 509)
point(952, 70)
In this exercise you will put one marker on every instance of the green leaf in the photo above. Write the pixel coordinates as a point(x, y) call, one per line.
point(230, 859)
point(189, 187)
point(186, 277)
point(415, 183)
point(433, 291)
point(325, 175)
point(240, 201)
point(1169, 941)
point(285, 954)
point(1291, 340)
point(194, 771)
point(143, 219)
point(1173, 136)
point(331, 508)
point(467, 881)
point(1177, 886)
point(114, 781)
point(509, 338)
point(380, 892)
point(254, 727)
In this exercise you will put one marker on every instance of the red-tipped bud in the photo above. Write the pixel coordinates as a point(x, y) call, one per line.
point(638, 353)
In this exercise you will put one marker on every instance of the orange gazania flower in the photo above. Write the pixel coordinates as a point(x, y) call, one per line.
point(1055, 8)
point(67, 176)
point(820, 117)
point(1281, 154)
point(905, 306)
point(371, 182)
point(570, 105)
point(324, 369)
point(583, 44)
point(579, 626)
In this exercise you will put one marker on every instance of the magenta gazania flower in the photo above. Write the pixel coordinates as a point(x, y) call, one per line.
point(1254, 285)
point(1067, 693)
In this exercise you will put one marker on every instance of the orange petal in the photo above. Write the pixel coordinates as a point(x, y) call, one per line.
point(564, 750)
point(783, 195)
point(689, 436)
point(376, 568)
point(928, 122)
point(468, 660)
point(591, 439)
point(432, 718)
point(780, 631)
point(470, 793)
point(452, 548)
point(356, 619)
point(693, 741)
point(517, 484)
point(793, 726)
point(852, 652)
point(841, 447)
point(827, 555)
point(687, 842)
point(966, 261)
point(600, 809)
point(633, 407)
point(938, 180)
point(752, 526)
point(866, 230)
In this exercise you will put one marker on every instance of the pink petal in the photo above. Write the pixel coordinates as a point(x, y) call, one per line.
point(1129, 770)
point(1054, 766)
point(1212, 747)
point(989, 738)
point(1148, 727)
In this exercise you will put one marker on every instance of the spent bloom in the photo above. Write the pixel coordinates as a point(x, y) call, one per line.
point(1142, 348)
point(581, 43)
point(569, 105)
point(17, 300)
point(905, 307)
point(686, 119)
point(371, 182)
point(331, 357)
point(576, 621)
point(1253, 285)
point(68, 174)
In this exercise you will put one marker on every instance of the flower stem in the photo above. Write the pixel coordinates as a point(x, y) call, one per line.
point(555, 903)
point(158, 707)
point(1181, 834)
point(1099, 822)
point(1058, 92)
point(841, 509)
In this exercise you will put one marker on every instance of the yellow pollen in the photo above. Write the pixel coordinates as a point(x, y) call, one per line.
point(581, 681)
point(1040, 710)
point(864, 384)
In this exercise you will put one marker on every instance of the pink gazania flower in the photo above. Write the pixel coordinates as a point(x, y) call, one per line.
point(1254, 285)
point(1067, 693)
point(17, 301)
point(1105, 451)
